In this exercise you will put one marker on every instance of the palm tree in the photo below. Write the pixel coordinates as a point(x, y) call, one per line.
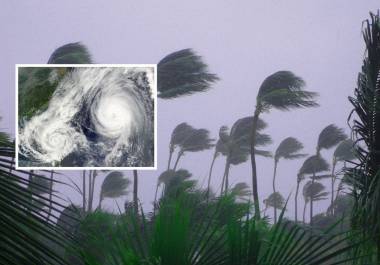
point(135, 192)
point(197, 140)
point(343, 152)
point(365, 122)
point(311, 166)
point(25, 235)
point(300, 178)
point(113, 186)
point(235, 144)
point(288, 149)
point(277, 201)
point(282, 90)
point(242, 191)
point(180, 133)
point(313, 191)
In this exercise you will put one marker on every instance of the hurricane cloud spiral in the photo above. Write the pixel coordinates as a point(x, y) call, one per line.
point(96, 117)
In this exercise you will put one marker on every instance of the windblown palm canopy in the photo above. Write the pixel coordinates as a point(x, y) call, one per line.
point(180, 133)
point(114, 185)
point(329, 137)
point(345, 151)
point(283, 90)
point(235, 143)
point(71, 53)
point(241, 190)
point(315, 191)
point(183, 73)
point(275, 200)
point(289, 149)
point(313, 164)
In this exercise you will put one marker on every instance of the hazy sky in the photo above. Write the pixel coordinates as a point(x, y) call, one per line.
point(242, 41)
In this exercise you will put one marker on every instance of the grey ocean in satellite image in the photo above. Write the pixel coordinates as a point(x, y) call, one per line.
point(93, 117)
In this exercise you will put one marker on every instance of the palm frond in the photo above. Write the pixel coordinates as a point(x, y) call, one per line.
point(314, 164)
point(183, 73)
point(71, 53)
point(345, 151)
point(330, 136)
point(283, 90)
point(288, 149)
point(114, 185)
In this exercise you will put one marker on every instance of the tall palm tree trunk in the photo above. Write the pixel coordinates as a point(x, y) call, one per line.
point(84, 191)
point(135, 192)
point(311, 202)
point(89, 189)
point(253, 164)
point(91, 199)
point(332, 186)
point(170, 157)
point(227, 172)
point(155, 199)
point(180, 153)
point(274, 190)
point(296, 202)
point(50, 195)
point(304, 211)
point(210, 174)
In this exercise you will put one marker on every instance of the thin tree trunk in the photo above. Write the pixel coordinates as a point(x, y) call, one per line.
point(332, 186)
point(84, 191)
point(274, 190)
point(311, 202)
point(155, 200)
point(296, 202)
point(170, 156)
point(89, 189)
point(94, 173)
point(100, 202)
point(226, 173)
point(50, 195)
point(135, 191)
point(304, 211)
point(253, 164)
point(223, 181)
point(177, 160)
point(210, 174)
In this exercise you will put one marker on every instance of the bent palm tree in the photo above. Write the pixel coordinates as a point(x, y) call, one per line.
point(365, 175)
point(313, 165)
point(235, 144)
point(276, 201)
point(113, 186)
point(180, 133)
point(284, 91)
point(313, 191)
point(343, 152)
point(288, 149)
point(196, 140)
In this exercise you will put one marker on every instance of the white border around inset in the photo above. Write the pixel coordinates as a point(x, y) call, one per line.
point(87, 65)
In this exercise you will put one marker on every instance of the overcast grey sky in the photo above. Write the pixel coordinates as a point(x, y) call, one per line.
point(242, 41)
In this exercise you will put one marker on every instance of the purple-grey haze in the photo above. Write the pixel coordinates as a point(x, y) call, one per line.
point(242, 41)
